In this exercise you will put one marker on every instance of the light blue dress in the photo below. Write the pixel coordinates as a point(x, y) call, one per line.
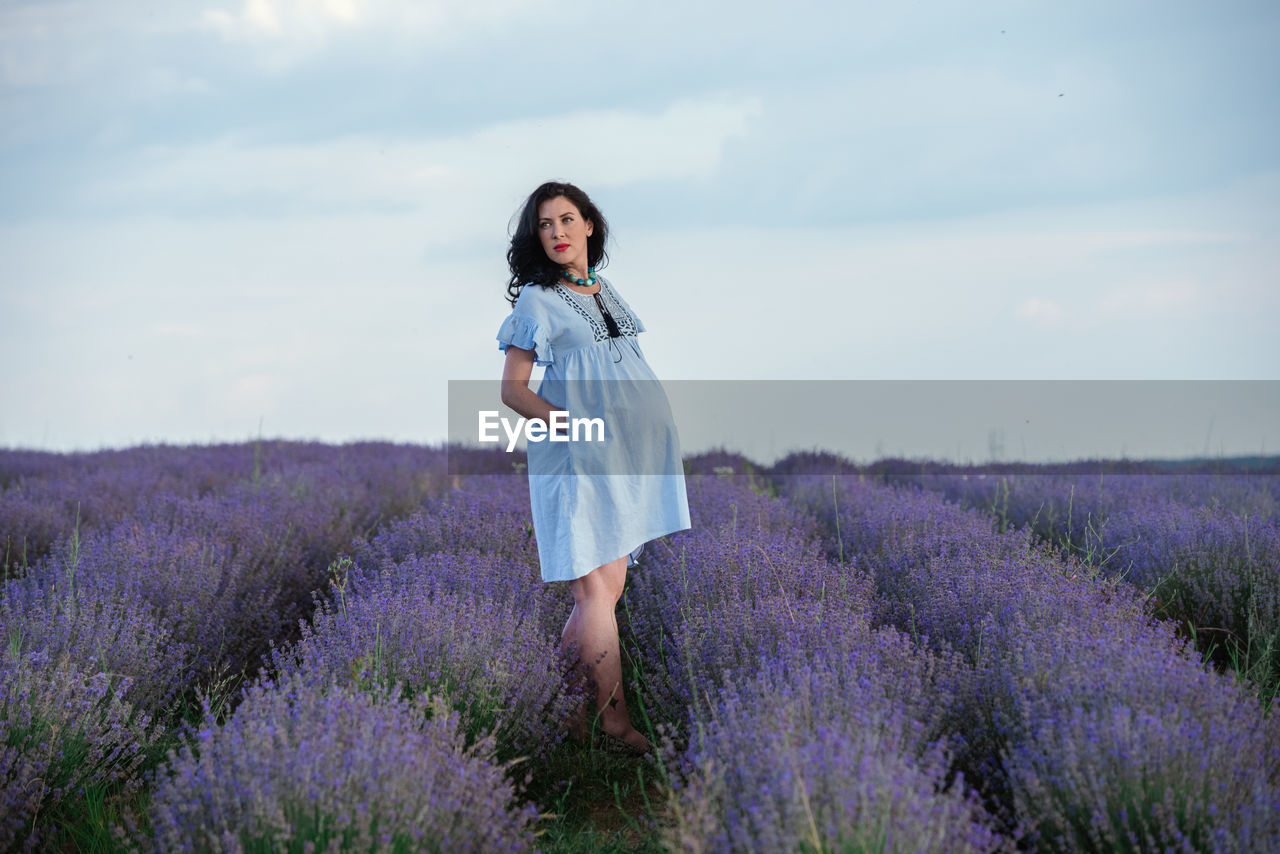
point(594, 502)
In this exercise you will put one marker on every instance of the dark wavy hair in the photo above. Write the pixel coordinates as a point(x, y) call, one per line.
point(527, 259)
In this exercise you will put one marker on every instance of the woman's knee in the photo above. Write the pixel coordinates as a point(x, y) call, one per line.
point(602, 584)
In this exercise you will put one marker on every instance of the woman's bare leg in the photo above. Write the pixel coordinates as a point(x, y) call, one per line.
point(593, 625)
point(577, 723)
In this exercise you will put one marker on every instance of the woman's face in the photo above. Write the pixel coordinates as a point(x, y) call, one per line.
point(564, 232)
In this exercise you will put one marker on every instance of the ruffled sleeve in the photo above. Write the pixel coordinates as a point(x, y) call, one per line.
point(525, 332)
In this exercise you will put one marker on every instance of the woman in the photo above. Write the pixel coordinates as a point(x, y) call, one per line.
point(595, 500)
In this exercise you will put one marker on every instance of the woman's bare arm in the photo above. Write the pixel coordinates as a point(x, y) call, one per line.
point(515, 385)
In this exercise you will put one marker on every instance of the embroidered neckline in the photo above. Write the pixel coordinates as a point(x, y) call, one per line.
point(590, 312)
point(600, 290)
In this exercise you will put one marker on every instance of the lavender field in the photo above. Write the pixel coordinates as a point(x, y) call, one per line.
point(297, 647)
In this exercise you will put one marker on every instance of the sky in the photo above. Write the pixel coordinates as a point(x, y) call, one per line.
point(288, 218)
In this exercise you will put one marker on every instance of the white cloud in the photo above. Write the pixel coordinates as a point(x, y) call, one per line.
point(177, 330)
point(282, 18)
point(444, 177)
point(1041, 311)
point(1142, 300)
point(377, 310)
point(160, 82)
point(288, 31)
point(34, 41)
point(253, 391)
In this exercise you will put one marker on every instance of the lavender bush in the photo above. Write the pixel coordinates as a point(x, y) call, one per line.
point(62, 729)
point(1205, 547)
point(822, 756)
point(315, 768)
point(167, 591)
point(43, 496)
point(489, 658)
point(28, 529)
point(1011, 610)
point(1216, 573)
point(748, 556)
point(102, 631)
point(484, 513)
point(832, 670)
point(1129, 745)
point(834, 739)
point(225, 574)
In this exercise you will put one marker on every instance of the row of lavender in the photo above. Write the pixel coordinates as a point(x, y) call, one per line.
point(808, 702)
point(742, 666)
point(403, 716)
point(793, 722)
point(137, 579)
point(438, 645)
point(1090, 726)
point(1204, 548)
point(811, 699)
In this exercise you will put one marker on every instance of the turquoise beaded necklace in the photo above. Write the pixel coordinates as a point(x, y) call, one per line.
point(609, 322)
point(588, 282)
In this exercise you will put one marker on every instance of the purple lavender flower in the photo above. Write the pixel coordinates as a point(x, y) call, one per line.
point(301, 764)
point(489, 657)
point(60, 728)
